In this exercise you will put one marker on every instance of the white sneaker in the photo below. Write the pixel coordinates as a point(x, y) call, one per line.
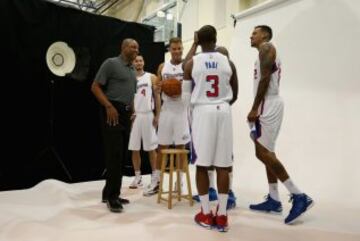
point(152, 188)
point(136, 183)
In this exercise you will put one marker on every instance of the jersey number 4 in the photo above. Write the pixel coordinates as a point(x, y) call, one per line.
point(214, 80)
point(143, 92)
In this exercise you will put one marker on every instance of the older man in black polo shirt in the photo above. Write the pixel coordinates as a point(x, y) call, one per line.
point(114, 87)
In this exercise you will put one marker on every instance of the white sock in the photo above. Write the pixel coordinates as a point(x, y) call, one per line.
point(230, 180)
point(157, 174)
point(211, 178)
point(137, 174)
point(181, 177)
point(205, 204)
point(291, 187)
point(274, 191)
point(222, 203)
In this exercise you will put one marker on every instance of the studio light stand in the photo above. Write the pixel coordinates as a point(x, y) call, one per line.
point(60, 59)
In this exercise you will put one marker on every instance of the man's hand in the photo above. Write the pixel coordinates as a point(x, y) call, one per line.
point(112, 116)
point(132, 117)
point(196, 38)
point(156, 121)
point(252, 116)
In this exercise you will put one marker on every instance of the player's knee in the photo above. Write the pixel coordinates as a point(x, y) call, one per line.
point(261, 155)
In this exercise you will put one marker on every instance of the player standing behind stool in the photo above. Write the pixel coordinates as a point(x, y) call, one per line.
point(173, 121)
point(266, 116)
point(214, 85)
point(144, 121)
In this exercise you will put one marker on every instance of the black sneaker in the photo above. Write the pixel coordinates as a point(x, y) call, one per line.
point(122, 200)
point(114, 205)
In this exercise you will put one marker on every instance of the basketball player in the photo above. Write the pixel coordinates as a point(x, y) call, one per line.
point(144, 121)
point(173, 121)
point(231, 203)
point(266, 116)
point(214, 85)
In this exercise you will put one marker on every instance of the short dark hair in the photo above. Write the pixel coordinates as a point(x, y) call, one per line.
point(207, 34)
point(175, 40)
point(267, 30)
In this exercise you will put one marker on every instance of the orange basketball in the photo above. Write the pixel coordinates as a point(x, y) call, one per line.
point(171, 87)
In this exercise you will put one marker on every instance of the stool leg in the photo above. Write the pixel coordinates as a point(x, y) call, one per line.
point(163, 166)
point(178, 182)
point(186, 167)
point(171, 180)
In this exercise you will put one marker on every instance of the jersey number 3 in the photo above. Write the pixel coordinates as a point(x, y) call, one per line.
point(214, 80)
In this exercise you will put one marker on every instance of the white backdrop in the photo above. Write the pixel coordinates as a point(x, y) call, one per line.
point(319, 44)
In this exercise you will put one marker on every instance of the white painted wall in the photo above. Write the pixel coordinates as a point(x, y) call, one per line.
point(213, 12)
point(318, 41)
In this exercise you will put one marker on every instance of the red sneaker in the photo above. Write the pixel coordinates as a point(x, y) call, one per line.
point(221, 223)
point(204, 220)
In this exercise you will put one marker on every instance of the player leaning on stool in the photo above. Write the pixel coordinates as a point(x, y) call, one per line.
point(266, 116)
point(214, 85)
point(173, 121)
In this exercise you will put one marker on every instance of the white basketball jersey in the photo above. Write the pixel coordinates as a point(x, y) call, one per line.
point(211, 74)
point(170, 71)
point(274, 84)
point(144, 101)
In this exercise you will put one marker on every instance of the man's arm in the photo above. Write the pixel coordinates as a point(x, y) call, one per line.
point(156, 94)
point(112, 114)
point(233, 83)
point(159, 78)
point(267, 56)
point(186, 88)
point(99, 94)
point(192, 50)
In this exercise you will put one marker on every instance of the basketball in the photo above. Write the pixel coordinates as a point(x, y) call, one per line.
point(171, 87)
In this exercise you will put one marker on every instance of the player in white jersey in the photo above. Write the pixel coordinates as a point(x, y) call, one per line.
point(214, 83)
point(231, 203)
point(144, 121)
point(173, 122)
point(265, 119)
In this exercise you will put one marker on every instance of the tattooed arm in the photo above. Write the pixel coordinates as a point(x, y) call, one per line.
point(267, 55)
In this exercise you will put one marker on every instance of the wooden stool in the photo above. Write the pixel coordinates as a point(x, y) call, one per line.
point(172, 153)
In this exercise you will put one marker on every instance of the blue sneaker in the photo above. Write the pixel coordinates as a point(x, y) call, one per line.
point(300, 204)
point(212, 195)
point(231, 202)
point(270, 205)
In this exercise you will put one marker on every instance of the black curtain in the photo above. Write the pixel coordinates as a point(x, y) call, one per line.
point(29, 27)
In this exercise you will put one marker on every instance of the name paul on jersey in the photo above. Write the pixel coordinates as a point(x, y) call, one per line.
point(211, 65)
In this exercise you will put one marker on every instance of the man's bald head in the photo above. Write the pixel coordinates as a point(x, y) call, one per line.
point(126, 42)
point(129, 49)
